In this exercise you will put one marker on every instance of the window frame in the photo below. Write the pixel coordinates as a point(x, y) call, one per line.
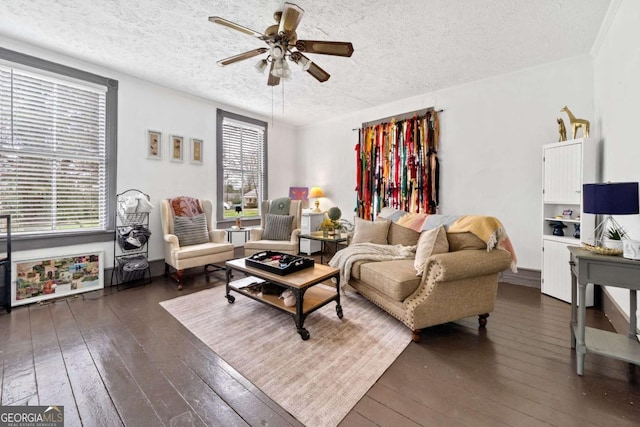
point(46, 240)
point(220, 116)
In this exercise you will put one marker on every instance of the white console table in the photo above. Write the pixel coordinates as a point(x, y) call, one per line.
point(616, 271)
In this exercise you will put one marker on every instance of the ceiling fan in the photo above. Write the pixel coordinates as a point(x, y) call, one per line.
point(283, 44)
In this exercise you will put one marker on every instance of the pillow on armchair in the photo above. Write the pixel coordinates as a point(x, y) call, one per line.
point(191, 230)
point(277, 227)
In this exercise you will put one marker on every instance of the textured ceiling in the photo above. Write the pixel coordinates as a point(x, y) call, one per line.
point(402, 48)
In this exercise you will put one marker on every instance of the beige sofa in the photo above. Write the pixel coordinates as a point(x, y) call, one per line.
point(460, 283)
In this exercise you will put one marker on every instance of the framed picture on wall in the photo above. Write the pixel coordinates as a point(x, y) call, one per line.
point(154, 144)
point(177, 148)
point(196, 151)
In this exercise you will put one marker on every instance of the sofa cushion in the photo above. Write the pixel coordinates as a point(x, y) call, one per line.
point(399, 235)
point(466, 240)
point(430, 242)
point(396, 278)
point(370, 231)
point(277, 227)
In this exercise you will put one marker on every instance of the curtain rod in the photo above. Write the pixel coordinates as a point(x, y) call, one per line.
point(398, 117)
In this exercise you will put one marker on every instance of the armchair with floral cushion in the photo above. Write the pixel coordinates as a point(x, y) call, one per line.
point(189, 238)
point(279, 227)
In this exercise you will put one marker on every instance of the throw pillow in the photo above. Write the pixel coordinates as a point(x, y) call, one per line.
point(431, 242)
point(185, 206)
point(400, 235)
point(277, 227)
point(371, 231)
point(191, 230)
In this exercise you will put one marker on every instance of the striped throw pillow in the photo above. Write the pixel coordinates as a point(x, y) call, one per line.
point(277, 227)
point(191, 230)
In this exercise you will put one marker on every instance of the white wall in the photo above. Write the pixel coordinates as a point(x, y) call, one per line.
point(143, 105)
point(491, 133)
point(617, 91)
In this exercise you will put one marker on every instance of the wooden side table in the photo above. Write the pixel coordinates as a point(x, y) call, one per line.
point(616, 271)
point(318, 235)
point(245, 230)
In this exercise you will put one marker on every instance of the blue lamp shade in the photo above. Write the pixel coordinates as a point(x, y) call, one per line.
point(614, 198)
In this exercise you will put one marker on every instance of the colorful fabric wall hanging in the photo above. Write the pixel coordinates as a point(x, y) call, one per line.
point(397, 166)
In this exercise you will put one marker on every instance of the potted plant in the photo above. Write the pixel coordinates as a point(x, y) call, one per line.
point(334, 215)
point(326, 226)
point(613, 238)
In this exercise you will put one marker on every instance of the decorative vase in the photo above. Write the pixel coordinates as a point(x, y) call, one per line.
point(557, 228)
point(336, 234)
point(325, 233)
point(576, 231)
point(238, 222)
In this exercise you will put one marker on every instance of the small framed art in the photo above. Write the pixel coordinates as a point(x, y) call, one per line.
point(196, 151)
point(154, 144)
point(177, 148)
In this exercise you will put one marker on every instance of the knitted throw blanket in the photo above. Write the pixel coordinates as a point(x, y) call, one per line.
point(345, 258)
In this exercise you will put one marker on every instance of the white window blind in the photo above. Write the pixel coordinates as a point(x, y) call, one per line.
point(52, 153)
point(244, 168)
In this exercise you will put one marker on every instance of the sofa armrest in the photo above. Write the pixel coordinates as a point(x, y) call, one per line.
point(172, 240)
point(468, 263)
point(294, 235)
point(256, 233)
point(217, 236)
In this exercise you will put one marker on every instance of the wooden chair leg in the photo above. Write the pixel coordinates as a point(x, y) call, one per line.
point(482, 319)
point(415, 335)
point(179, 274)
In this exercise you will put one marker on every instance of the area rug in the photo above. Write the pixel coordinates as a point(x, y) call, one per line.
point(317, 381)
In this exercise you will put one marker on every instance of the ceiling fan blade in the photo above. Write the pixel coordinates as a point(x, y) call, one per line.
point(325, 48)
point(291, 17)
point(242, 56)
point(272, 80)
point(234, 26)
point(317, 72)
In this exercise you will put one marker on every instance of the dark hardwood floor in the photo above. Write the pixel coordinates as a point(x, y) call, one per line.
point(117, 358)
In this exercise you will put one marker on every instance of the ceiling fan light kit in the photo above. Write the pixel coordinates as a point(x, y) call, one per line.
point(284, 45)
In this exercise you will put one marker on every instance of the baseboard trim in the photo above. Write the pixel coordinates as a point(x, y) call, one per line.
point(524, 277)
point(614, 313)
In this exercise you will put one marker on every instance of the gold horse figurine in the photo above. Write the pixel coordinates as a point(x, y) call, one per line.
point(576, 123)
point(562, 130)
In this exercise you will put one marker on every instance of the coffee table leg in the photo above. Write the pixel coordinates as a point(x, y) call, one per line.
point(300, 316)
point(230, 298)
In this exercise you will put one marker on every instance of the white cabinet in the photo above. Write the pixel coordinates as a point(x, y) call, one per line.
point(565, 167)
point(310, 222)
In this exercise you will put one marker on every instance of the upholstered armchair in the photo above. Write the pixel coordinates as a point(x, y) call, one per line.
point(279, 230)
point(189, 238)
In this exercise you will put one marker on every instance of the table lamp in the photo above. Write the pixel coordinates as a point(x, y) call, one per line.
point(613, 198)
point(316, 193)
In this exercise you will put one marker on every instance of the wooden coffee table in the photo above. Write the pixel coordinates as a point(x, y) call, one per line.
point(309, 297)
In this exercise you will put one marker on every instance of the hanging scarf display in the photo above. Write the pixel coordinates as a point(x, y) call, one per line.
point(397, 166)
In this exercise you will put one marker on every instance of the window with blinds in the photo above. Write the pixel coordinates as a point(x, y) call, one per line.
point(242, 145)
point(52, 153)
